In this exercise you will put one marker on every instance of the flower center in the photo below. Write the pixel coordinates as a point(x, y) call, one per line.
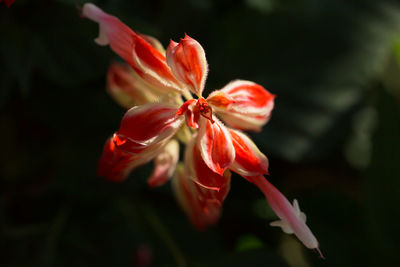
point(204, 109)
point(192, 109)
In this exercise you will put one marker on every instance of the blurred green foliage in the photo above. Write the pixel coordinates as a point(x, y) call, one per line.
point(333, 140)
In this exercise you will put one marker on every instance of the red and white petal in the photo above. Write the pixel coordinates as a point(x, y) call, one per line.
point(147, 125)
point(249, 160)
point(197, 170)
point(188, 63)
point(292, 219)
point(215, 145)
point(127, 88)
point(115, 164)
point(154, 42)
point(188, 109)
point(244, 122)
point(243, 104)
point(165, 164)
point(203, 206)
point(147, 61)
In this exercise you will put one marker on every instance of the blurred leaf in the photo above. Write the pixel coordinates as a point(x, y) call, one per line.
point(263, 210)
point(328, 70)
point(254, 258)
point(264, 6)
point(248, 242)
point(358, 150)
point(382, 185)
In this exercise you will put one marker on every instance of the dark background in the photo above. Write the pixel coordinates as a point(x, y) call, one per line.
point(333, 140)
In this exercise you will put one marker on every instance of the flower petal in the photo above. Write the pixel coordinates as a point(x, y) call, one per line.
point(243, 104)
point(215, 145)
point(188, 63)
point(197, 170)
point(188, 109)
point(147, 125)
point(153, 42)
point(115, 164)
point(127, 88)
point(249, 160)
point(292, 219)
point(164, 164)
point(147, 61)
point(202, 205)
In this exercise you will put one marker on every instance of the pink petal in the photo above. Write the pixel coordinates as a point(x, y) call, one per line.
point(215, 145)
point(188, 63)
point(243, 104)
point(147, 61)
point(164, 164)
point(249, 161)
point(290, 217)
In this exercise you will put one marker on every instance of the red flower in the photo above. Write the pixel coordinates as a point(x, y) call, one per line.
point(157, 81)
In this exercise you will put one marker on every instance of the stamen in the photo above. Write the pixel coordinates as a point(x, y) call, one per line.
point(204, 109)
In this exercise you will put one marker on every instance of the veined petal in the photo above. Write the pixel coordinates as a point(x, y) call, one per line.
point(243, 104)
point(197, 170)
point(188, 63)
point(165, 164)
point(249, 160)
point(127, 88)
point(147, 125)
point(147, 61)
point(215, 145)
point(153, 42)
point(202, 205)
point(292, 219)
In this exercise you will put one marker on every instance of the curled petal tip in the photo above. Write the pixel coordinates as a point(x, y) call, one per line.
point(172, 44)
point(92, 12)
